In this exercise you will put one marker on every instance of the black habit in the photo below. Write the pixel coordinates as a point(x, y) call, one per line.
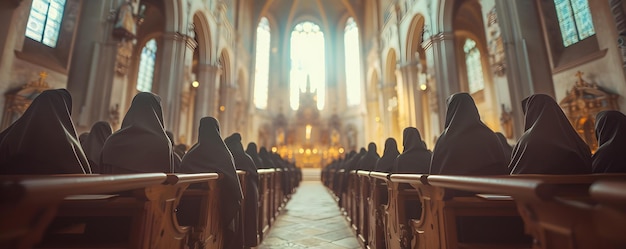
point(549, 145)
point(466, 146)
point(368, 162)
point(43, 140)
point(244, 162)
point(415, 157)
point(385, 164)
point(210, 154)
point(611, 132)
point(141, 145)
point(92, 145)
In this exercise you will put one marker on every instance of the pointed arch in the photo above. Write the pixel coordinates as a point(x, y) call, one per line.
point(308, 62)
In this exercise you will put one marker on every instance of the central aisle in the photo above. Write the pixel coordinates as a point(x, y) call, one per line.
point(311, 220)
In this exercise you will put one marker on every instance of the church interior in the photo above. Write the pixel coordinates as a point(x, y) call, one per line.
point(314, 81)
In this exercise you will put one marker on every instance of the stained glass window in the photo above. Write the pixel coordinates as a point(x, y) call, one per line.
point(307, 61)
point(262, 68)
point(474, 66)
point(44, 21)
point(574, 20)
point(146, 66)
point(353, 62)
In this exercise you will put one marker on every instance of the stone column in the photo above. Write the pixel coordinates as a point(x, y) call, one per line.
point(414, 96)
point(93, 76)
point(528, 67)
point(173, 71)
point(441, 56)
point(206, 98)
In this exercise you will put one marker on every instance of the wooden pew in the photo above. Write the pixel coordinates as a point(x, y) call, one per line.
point(362, 208)
point(29, 203)
point(454, 219)
point(376, 207)
point(142, 218)
point(609, 215)
point(403, 205)
point(200, 210)
point(265, 201)
point(557, 209)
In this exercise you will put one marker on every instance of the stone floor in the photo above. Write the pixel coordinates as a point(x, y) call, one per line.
point(311, 220)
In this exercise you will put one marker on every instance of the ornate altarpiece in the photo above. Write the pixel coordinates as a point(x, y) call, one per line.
point(581, 105)
point(20, 98)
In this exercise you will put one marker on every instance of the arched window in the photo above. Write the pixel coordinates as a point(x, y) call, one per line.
point(474, 66)
point(146, 66)
point(353, 62)
point(262, 68)
point(574, 20)
point(44, 21)
point(307, 60)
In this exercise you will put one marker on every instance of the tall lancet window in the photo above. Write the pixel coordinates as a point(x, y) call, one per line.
point(574, 20)
point(262, 68)
point(307, 60)
point(44, 21)
point(474, 66)
point(146, 66)
point(353, 62)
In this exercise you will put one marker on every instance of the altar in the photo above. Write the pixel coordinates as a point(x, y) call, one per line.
point(308, 138)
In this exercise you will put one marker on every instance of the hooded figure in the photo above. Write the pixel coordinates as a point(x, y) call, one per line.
point(385, 164)
point(141, 145)
point(506, 147)
point(466, 146)
point(175, 153)
point(368, 162)
point(210, 154)
point(251, 150)
point(611, 132)
point(265, 158)
point(549, 145)
point(82, 138)
point(43, 140)
point(415, 157)
point(92, 145)
point(244, 162)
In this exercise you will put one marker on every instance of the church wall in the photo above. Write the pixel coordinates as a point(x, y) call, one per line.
point(607, 70)
point(23, 59)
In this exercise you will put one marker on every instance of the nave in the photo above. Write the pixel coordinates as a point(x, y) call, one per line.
point(311, 219)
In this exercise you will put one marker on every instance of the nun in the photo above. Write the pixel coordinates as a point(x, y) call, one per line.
point(466, 146)
point(611, 132)
point(549, 145)
point(208, 155)
point(369, 160)
point(141, 145)
point(252, 151)
point(244, 162)
point(43, 140)
point(506, 147)
point(415, 157)
point(94, 142)
point(385, 164)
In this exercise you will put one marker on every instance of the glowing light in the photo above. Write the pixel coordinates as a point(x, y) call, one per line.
point(308, 151)
point(314, 151)
point(423, 87)
point(341, 150)
point(195, 84)
point(222, 108)
point(274, 149)
point(301, 150)
point(308, 132)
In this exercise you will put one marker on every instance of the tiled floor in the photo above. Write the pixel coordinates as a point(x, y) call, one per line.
point(311, 220)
